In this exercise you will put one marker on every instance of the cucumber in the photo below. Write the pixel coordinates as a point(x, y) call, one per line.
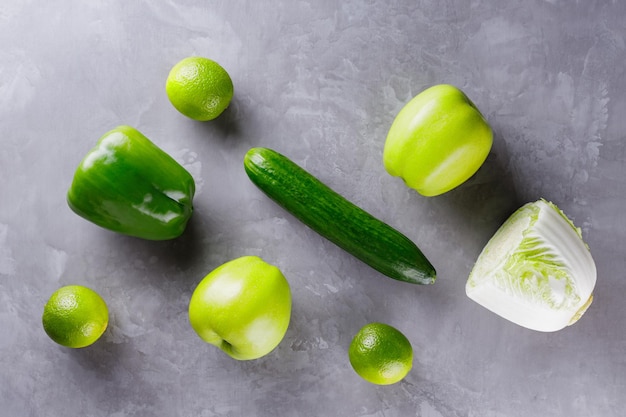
point(335, 218)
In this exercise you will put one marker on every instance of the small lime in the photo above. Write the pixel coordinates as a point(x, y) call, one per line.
point(199, 88)
point(75, 316)
point(381, 354)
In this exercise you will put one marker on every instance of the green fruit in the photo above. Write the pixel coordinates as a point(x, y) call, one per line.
point(75, 316)
point(243, 307)
point(437, 141)
point(381, 354)
point(199, 88)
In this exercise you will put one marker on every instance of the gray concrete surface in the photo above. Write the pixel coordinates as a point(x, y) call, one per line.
point(320, 82)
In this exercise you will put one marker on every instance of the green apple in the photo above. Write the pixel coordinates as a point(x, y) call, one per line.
point(243, 307)
point(437, 141)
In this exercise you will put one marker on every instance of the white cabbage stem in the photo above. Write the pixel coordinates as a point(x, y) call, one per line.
point(536, 270)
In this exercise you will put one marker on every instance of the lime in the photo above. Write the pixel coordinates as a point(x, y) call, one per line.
point(199, 88)
point(381, 354)
point(75, 316)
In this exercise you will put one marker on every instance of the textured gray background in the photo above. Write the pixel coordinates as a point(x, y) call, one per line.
point(320, 81)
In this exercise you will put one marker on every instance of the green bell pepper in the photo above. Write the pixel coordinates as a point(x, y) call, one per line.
point(128, 185)
point(437, 141)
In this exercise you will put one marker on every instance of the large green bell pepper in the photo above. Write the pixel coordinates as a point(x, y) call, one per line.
point(128, 185)
point(437, 141)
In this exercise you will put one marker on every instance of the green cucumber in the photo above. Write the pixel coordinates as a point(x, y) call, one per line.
point(335, 218)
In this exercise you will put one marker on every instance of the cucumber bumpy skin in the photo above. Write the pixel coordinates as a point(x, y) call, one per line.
point(335, 218)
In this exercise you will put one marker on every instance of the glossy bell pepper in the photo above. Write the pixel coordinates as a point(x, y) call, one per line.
point(437, 141)
point(128, 185)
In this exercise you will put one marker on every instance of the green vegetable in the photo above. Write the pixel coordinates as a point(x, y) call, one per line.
point(536, 270)
point(332, 216)
point(437, 141)
point(128, 185)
